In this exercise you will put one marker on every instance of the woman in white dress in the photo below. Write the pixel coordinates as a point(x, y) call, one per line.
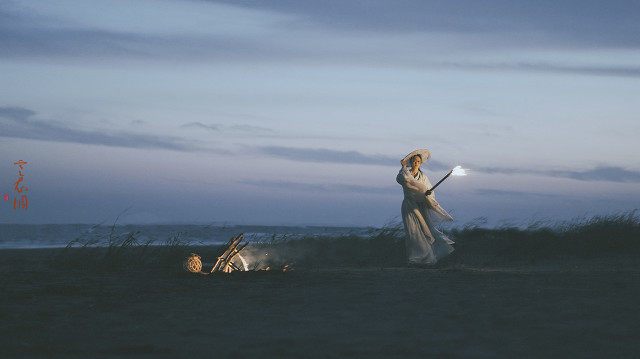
point(421, 213)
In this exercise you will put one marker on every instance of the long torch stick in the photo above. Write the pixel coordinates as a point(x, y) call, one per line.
point(443, 178)
point(459, 172)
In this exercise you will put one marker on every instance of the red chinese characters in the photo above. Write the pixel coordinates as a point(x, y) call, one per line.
point(23, 203)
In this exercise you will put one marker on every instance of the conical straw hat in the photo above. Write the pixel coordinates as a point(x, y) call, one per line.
point(425, 154)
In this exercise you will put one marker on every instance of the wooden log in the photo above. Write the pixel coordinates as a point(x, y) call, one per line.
point(223, 259)
point(228, 260)
point(233, 250)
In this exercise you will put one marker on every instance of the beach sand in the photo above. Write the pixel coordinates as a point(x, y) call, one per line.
point(578, 308)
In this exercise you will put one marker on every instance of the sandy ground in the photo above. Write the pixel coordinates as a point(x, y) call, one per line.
point(586, 309)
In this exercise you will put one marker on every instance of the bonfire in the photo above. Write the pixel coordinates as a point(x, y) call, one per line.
point(228, 262)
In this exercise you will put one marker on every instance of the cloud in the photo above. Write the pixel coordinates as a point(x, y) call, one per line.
point(587, 23)
point(233, 128)
point(602, 173)
point(200, 125)
point(324, 187)
point(493, 193)
point(87, 44)
point(17, 114)
point(621, 71)
point(21, 123)
point(29, 33)
point(24, 36)
point(412, 31)
point(611, 174)
point(250, 129)
point(624, 71)
point(323, 155)
point(327, 156)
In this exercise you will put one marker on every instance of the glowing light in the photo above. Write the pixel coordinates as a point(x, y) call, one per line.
point(244, 263)
point(459, 171)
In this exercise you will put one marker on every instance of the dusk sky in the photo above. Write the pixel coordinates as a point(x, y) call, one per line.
point(298, 112)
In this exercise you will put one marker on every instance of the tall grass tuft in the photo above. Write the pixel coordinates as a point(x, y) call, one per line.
point(584, 238)
point(122, 252)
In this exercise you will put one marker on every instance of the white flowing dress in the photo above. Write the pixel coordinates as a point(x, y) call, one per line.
point(421, 214)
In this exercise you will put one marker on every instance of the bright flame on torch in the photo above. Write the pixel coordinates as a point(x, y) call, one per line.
point(458, 171)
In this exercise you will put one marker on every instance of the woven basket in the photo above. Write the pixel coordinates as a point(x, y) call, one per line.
point(193, 263)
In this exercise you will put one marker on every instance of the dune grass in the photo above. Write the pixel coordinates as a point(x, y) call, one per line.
point(613, 235)
point(583, 237)
point(617, 235)
point(124, 251)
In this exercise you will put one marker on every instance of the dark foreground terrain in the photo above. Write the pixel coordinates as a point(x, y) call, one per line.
point(561, 308)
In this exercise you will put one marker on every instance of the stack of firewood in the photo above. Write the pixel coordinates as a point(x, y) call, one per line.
point(225, 262)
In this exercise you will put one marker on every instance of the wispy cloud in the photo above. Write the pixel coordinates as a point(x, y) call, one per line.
point(619, 71)
point(324, 187)
point(324, 155)
point(611, 174)
point(17, 114)
point(239, 128)
point(28, 33)
point(602, 173)
point(493, 193)
point(623, 71)
point(288, 27)
point(20, 122)
point(250, 129)
point(200, 125)
point(585, 23)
